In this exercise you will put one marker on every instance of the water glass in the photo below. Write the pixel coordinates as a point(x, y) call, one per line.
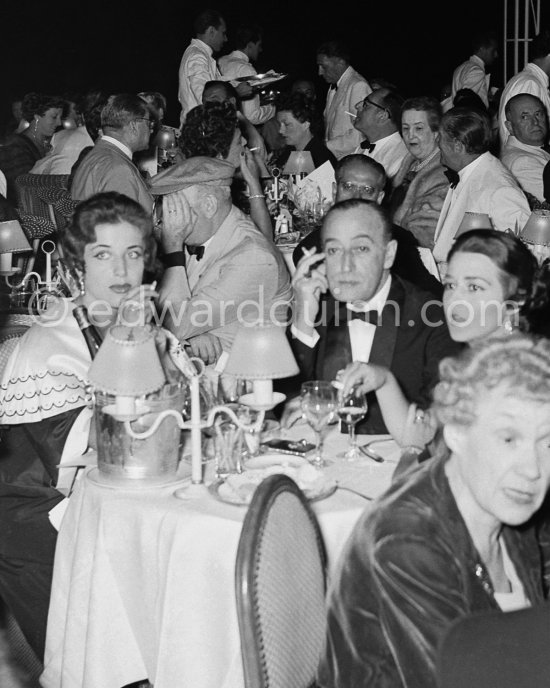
point(319, 404)
point(228, 448)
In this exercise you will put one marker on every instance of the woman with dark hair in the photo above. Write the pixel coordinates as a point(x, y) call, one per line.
point(44, 400)
point(22, 151)
point(493, 287)
point(301, 127)
point(212, 130)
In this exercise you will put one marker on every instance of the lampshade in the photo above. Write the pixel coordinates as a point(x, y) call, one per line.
point(12, 238)
point(261, 352)
point(127, 363)
point(474, 221)
point(299, 162)
point(537, 228)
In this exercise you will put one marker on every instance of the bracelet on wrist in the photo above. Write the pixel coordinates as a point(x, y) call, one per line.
point(256, 196)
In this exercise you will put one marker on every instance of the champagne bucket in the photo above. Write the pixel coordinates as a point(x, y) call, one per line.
point(154, 459)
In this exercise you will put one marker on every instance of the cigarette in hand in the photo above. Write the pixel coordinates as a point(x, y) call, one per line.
point(253, 149)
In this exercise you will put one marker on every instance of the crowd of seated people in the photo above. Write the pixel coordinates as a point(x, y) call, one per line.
point(468, 356)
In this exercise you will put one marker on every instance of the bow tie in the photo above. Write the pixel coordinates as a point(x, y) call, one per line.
point(197, 251)
point(333, 87)
point(367, 145)
point(347, 315)
point(546, 147)
point(453, 177)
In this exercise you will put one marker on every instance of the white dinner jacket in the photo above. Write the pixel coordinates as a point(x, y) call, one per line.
point(485, 186)
point(341, 137)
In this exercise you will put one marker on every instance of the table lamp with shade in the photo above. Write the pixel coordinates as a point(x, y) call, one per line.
point(536, 234)
point(298, 165)
point(12, 240)
point(472, 220)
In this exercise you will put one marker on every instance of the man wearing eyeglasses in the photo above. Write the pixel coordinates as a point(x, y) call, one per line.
point(347, 87)
point(126, 126)
point(378, 118)
point(358, 176)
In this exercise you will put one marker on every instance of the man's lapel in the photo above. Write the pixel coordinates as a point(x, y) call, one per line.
point(383, 344)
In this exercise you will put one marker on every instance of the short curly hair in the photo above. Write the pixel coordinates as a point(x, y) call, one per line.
point(209, 130)
point(38, 104)
point(109, 207)
point(519, 362)
point(302, 108)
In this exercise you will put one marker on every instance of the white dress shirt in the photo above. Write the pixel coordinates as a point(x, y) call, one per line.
point(361, 333)
point(197, 66)
point(389, 152)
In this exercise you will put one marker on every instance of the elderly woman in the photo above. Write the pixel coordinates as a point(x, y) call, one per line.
point(21, 152)
point(457, 535)
point(43, 396)
point(420, 186)
point(301, 128)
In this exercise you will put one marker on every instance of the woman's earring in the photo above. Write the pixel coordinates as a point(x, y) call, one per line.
point(35, 125)
point(81, 283)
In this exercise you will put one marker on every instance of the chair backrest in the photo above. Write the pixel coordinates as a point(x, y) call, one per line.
point(280, 588)
point(497, 650)
point(39, 194)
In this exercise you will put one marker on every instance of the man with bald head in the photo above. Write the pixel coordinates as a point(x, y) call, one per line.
point(526, 152)
point(350, 306)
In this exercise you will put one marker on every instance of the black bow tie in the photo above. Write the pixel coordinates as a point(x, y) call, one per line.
point(546, 147)
point(333, 87)
point(453, 177)
point(367, 145)
point(197, 251)
point(347, 315)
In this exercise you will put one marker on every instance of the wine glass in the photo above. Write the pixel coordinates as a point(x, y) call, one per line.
point(352, 408)
point(319, 402)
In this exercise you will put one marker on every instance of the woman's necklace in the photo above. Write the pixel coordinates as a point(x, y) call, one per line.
point(421, 164)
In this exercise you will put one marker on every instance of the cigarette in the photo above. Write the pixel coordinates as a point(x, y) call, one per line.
point(253, 149)
point(350, 114)
point(154, 284)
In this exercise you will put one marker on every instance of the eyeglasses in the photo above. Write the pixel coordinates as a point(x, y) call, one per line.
point(362, 104)
point(146, 119)
point(350, 187)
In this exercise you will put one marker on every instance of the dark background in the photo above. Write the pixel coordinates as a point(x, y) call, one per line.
point(118, 45)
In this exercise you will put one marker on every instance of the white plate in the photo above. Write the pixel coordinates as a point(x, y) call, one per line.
point(238, 489)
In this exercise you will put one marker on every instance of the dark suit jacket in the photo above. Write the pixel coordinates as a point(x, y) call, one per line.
point(405, 342)
point(407, 264)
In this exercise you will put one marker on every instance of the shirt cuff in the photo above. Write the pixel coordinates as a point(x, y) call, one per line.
point(308, 340)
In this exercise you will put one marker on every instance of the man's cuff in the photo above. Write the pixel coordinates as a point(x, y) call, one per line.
point(309, 340)
point(174, 259)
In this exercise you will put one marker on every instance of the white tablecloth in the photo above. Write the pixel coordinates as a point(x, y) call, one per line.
point(144, 581)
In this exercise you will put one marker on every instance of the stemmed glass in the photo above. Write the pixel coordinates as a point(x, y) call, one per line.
point(352, 408)
point(319, 402)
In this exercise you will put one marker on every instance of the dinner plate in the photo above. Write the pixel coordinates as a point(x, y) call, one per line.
point(238, 489)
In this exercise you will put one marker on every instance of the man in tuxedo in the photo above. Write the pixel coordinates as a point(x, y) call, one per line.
point(379, 121)
point(479, 182)
point(350, 307)
point(359, 176)
point(347, 87)
point(527, 152)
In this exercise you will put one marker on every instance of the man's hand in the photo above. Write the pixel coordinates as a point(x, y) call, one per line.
point(176, 221)
point(244, 90)
point(205, 346)
point(309, 282)
point(366, 377)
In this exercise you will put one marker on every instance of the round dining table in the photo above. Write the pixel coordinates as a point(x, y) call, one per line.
point(143, 583)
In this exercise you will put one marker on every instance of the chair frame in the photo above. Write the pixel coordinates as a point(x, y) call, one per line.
point(254, 523)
